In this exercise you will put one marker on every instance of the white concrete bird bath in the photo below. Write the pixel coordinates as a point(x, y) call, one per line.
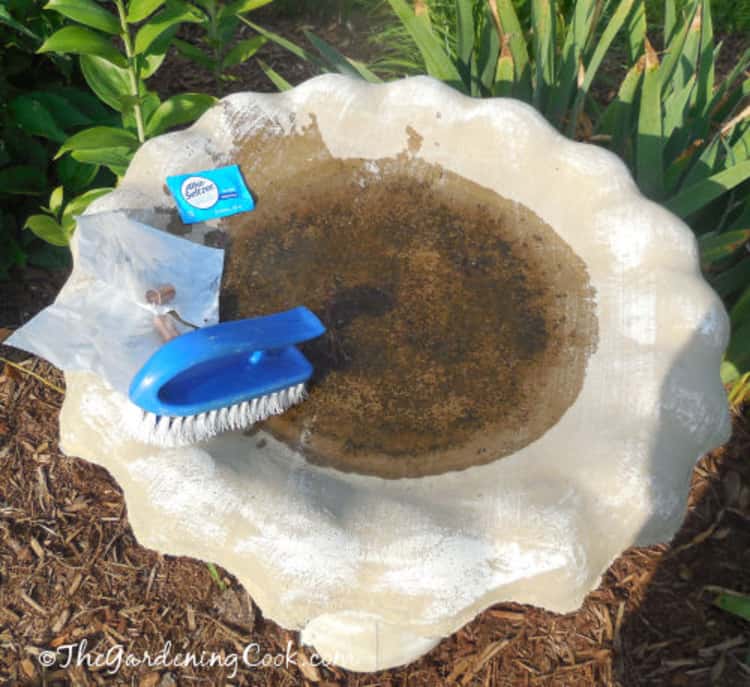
point(522, 369)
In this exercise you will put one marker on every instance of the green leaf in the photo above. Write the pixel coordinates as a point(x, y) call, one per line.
point(715, 247)
point(22, 147)
point(78, 205)
point(177, 110)
point(675, 107)
point(487, 56)
point(56, 199)
point(707, 57)
point(738, 352)
point(617, 119)
point(505, 16)
point(153, 58)
point(579, 30)
point(619, 17)
point(276, 79)
point(284, 43)
point(743, 220)
point(544, 50)
point(697, 196)
point(50, 257)
point(437, 61)
point(225, 30)
point(241, 7)
point(740, 311)
point(150, 63)
point(108, 81)
point(98, 137)
point(116, 159)
point(243, 50)
point(86, 12)
point(65, 113)
point(33, 117)
point(74, 175)
point(339, 62)
point(649, 140)
point(737, 604)
point(729, 373)
point(670, 20)
point(81, 41)
point(741, 148)
point(636, 30)
point(704, 166)
point(193, 53)
point(7, 19)
point(159, 23)
point(86, 102)
point(504, 74)
point(464, 33)
point(208, 5)
point(215, 576)
point(674, 52)
point(731, 280)
point(688, 60)
point(26, 180)
point(727, 95)
point(138, 10)
point(11, 252)
point(47, 229)
point(364, 71)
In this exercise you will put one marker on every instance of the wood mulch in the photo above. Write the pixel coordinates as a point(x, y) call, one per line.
point(71, 572)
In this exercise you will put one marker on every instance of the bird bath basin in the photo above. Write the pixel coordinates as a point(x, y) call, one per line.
point(435, 292)
point(521, 366)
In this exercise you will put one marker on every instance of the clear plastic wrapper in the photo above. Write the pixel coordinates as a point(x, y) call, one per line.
point(102, 320)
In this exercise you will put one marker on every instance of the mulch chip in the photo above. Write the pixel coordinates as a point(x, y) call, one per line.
point(71, 573)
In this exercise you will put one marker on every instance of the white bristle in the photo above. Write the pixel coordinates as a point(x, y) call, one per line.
point(232, 416)
point(181, 431)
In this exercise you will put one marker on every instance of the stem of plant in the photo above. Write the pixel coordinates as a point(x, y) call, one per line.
point(213, 36)
point(125, 35)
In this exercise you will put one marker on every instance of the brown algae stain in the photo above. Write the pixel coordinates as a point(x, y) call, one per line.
point(459, 323)
point(415, 139)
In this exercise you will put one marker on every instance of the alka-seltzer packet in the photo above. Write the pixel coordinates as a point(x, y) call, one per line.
point(207, 195)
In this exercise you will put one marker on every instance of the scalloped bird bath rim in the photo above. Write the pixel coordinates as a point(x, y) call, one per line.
point(375, 571)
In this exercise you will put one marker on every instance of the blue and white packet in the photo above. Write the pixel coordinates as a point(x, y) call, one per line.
point(219, 192)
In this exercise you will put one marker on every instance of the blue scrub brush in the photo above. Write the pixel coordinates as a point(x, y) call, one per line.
point(224, 377)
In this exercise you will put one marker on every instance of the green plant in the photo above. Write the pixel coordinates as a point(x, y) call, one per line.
point(735, 603)
point(220, 23)
point(733, 15)
point(326, 57)
point(40, 104)
point(117, 75)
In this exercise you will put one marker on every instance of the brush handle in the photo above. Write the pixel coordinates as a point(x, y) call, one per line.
point(214, 366)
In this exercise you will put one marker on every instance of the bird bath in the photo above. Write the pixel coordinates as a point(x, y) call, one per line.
point(520, 371)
